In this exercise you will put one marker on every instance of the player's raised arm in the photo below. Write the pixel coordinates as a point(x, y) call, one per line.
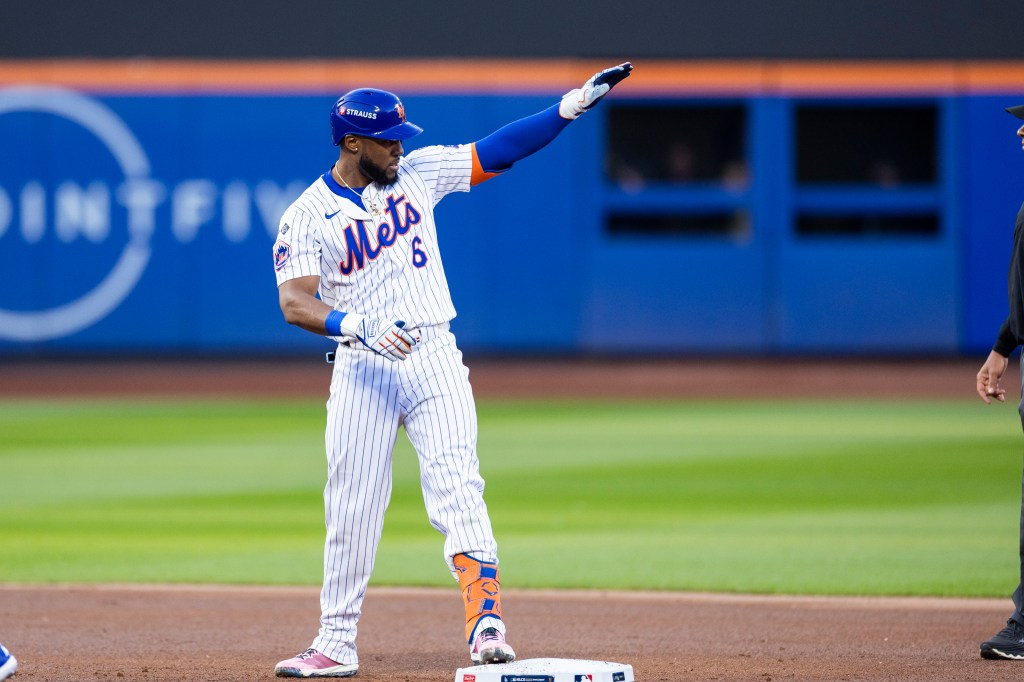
point(517, 140)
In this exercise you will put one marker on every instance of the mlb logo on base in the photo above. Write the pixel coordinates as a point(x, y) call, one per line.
point(584, 678)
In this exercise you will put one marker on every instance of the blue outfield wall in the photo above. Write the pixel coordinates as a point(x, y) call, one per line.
point(144, 223)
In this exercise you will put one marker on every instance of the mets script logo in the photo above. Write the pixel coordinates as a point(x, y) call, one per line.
point(359, 246)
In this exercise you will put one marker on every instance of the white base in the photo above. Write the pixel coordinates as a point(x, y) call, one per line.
point(547, 670)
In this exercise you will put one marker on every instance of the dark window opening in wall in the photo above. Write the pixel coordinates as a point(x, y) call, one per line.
point(731, 226)
point(676, 145)
point(868, 226)
point(883, 146)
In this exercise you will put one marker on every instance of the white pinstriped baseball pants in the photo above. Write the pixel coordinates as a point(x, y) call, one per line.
point(429, 394)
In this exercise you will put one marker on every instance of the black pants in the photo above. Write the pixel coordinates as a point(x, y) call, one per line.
point(1018, 594)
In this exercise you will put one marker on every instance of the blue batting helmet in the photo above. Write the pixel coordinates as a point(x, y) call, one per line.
point(370, 113)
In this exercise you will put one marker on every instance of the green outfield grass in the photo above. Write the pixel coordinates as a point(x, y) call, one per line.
point(792, 497)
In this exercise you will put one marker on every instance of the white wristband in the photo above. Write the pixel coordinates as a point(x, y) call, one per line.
point(351, 325)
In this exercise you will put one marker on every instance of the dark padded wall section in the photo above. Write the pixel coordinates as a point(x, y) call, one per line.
point(740, 29)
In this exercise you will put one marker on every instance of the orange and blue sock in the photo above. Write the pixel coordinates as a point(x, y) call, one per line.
point(481, 590)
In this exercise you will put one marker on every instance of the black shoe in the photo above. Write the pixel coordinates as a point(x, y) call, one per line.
point(1009, 643)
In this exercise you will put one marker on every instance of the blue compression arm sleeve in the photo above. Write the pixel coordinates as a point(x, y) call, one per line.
point(499, 150)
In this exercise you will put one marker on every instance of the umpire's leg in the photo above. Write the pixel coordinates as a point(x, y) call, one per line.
point(1018, 594)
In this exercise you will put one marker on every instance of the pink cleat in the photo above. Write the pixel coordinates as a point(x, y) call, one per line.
point(490, 647)
point(312, 663)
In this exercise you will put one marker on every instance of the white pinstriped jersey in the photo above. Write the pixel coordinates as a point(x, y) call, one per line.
point(384, 263)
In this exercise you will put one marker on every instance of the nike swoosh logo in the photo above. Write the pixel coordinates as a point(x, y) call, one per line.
point(331, 215)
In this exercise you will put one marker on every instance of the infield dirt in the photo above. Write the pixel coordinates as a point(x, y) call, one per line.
point(167, 633)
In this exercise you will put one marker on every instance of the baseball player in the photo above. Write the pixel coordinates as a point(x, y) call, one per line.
point(1009, 642)
point(357, 260)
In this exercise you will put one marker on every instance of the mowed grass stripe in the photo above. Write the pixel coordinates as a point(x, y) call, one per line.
point(800, 497)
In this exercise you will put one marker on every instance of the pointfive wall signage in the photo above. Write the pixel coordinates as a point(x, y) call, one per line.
point(86, 206)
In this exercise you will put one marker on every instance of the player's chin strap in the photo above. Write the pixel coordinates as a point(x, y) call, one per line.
point(481, 590)
point(575, 102)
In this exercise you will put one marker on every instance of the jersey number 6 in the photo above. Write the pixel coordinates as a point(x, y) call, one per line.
point(419, 257)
